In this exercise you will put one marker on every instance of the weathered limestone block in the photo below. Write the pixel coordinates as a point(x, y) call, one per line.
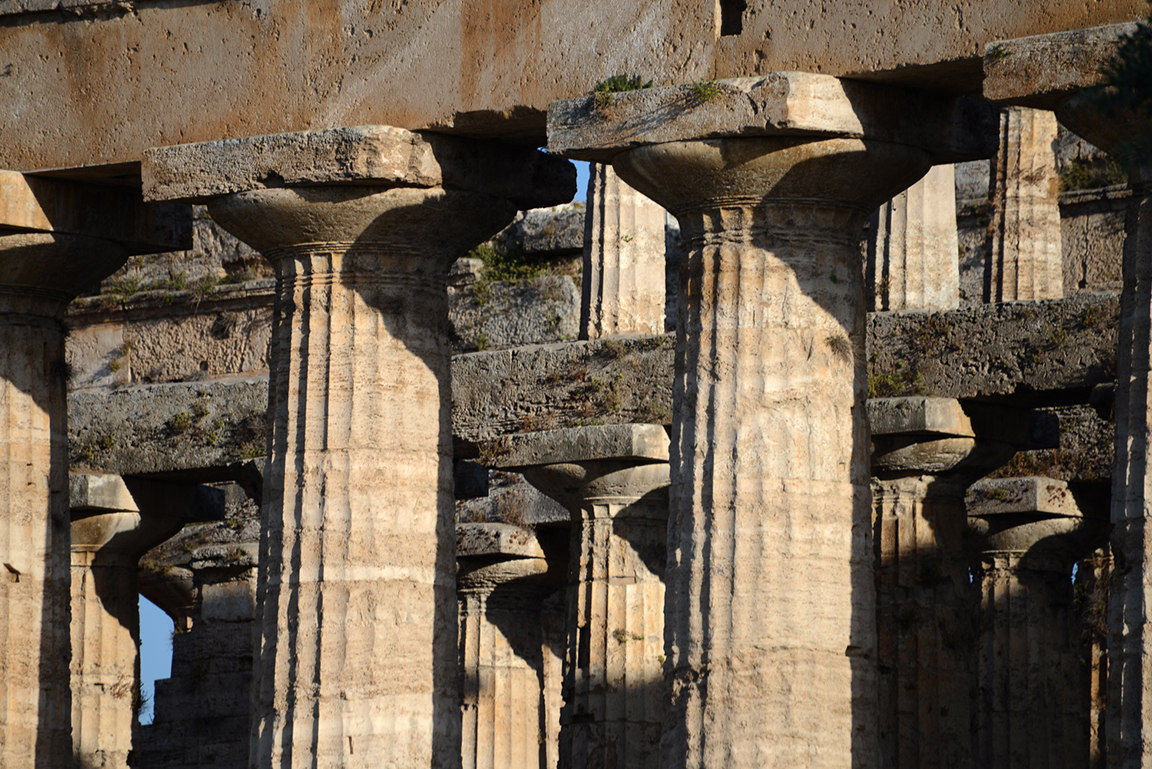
point(623, 259)
point(926, 451)
point(358, 511)
point(913, 251)
point(1062, 72)
point(1034, 693)
point(770, 619)
point(1025, 259)
point(113, 523)
point(501, 586)
point(55, 240)
point(614, 481)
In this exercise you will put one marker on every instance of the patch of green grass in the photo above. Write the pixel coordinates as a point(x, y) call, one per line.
point(604, 90)
point(705, 90)
point(1089, 175)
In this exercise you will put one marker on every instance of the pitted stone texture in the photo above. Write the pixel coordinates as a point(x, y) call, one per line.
point(913, 248)
point(779, 104)
point(381, 156)
point(578, 444)
point(495, 539)
point(39, 274)
point(501, 659)
point(918, 415)
point(1025, 259)
point(1033, 683)
point(769, 492)
point(360, 466)
point(624, 245)
point(1042, 70)
point(613, 683)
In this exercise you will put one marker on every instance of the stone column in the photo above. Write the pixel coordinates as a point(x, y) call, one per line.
point(913, 260)
point(770, 618)
point(623, 289)
point(502, 581)
point(1025, 260)
point(56, 239)
point(1033, 680)
point(357, 658)
point(614, 480)
point(926, 452)
point(1129, 140)
point(110, 531)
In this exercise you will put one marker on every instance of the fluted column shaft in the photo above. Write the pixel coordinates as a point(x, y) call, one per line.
point(105, 658)
point(770, 617)
point(1025, 260)
point(501, 657)
point(623, 289)
point(357, 659)
point(1032, 680)
point(613, 683)
point(923, 614)
point(913, 260)
point(1129, 742)
point(39, 275)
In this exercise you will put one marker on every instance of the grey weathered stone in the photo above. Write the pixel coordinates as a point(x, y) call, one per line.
point(778, 104)
point(379, 156)
point(513, 314)
point(484, 539)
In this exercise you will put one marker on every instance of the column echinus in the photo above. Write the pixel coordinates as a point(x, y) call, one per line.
point(357, 658)
point(613, 479)
point(770, 613)
point(1061, 72)
point(113, 523)
point(57, 238)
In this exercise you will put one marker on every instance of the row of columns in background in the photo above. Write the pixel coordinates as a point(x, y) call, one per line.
point(373, 678)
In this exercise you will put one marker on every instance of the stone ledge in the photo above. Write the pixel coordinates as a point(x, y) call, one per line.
point(496, 539)
point(580, 444)
point(370, 155)
point(1032, 495)
point(918, 415)
point(1041, 71)
point(951, 129)
point(1023, 353)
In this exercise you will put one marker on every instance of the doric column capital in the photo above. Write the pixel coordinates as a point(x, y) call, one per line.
point(1035, 523)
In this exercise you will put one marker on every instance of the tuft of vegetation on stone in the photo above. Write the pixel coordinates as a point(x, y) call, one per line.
point(617, 84)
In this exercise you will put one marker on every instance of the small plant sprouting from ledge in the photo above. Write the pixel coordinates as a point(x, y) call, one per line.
point(998, 52)
point(705, 90)
point(603, 91)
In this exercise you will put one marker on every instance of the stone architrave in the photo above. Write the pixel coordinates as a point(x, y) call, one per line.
point(1061, 72)
point(357, 607)
point(770, 618)
point(913, 260)
point(926, 452)
point(56, 239)
point(1033, 689)
point(111, 528)
point(503, 579)
point(1025, 260)
point(623, 289)
point(614, 481)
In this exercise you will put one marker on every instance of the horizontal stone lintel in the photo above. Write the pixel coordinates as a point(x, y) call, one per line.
point(1017, 354)
point(362, 155)
point(37, 204)
point(781, 104)
point(1042, 70)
